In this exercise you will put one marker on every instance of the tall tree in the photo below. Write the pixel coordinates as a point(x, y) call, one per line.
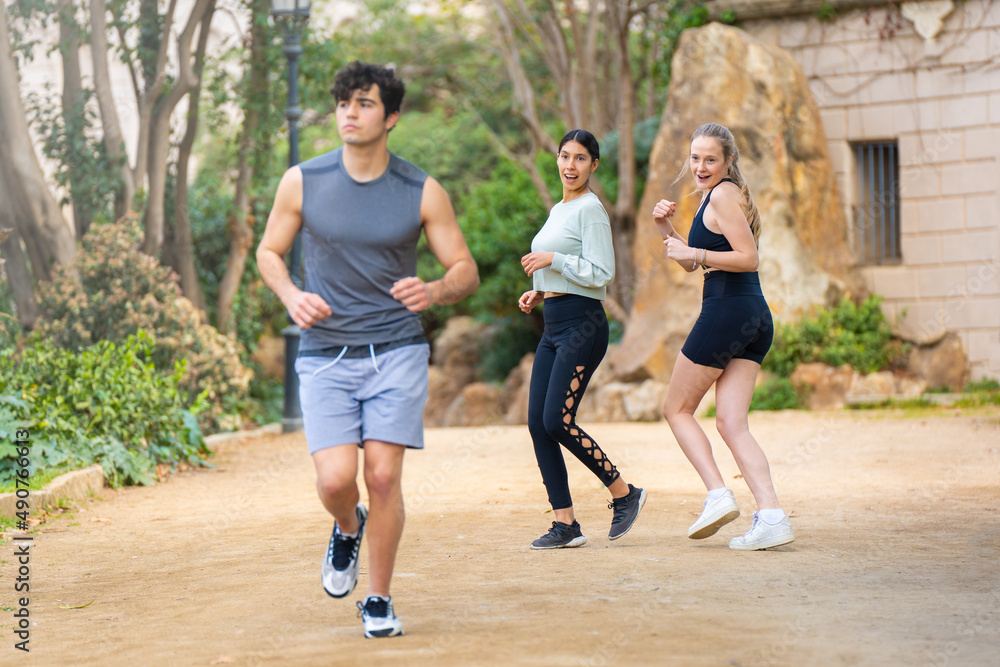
point(162, 105)
point(182, 251)
point(72, 102)
point(238, 224)
point(594, 73)
point(35, 211)
point(114, 140)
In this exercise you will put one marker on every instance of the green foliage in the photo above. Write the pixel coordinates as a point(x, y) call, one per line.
point(826, 12)
point(681, 16)
point(68, 140)
point(616, 331)
point(113, 290)
point(775, 393)
point(10, 328)
point(645, 134)
point(986, 384)
point(105, 403)
point(501, 216)
point(857, 335)
point(894, 403)
point(728, 17)
point(509, 340)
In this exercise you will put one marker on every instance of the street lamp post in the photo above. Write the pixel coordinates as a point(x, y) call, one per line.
point(291, 17)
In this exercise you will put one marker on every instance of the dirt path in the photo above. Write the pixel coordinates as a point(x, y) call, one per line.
point(896, 561)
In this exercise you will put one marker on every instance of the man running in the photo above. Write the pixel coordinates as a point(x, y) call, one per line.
point(362, 361)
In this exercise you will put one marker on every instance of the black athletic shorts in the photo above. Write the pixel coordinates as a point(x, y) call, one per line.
point(735, 322)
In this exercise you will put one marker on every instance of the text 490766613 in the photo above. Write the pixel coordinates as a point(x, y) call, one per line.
point(22, 543)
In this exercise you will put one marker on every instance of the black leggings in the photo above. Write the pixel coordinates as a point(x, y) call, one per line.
point(572, 346)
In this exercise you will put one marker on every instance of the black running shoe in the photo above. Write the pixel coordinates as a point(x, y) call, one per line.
point(379, 618)
point(561, 535)
point(340, 567)
point(626, 510)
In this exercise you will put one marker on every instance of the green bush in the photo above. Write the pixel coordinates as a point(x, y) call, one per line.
point(106, 403)
point(857, 335)
point(986, 384)
point(776, 393)
point(113, 290)
point(510, 339)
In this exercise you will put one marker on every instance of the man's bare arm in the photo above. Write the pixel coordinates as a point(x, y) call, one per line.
point(283, 224)
point(444, 237)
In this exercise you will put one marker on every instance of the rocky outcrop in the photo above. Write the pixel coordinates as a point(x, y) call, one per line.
point(605, 400)
point(478, 404)
point(829, 388)
point(515, 395)
point(722, 74)
point(943, 364)
point(826, 387)
point(455, 365)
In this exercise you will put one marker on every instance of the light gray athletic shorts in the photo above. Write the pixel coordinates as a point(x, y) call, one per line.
point(349, 400)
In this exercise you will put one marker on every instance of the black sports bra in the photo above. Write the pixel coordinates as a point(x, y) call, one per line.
point(700, 236)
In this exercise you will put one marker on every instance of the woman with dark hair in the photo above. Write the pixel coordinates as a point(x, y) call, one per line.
point(571, 263)
point(727, 343)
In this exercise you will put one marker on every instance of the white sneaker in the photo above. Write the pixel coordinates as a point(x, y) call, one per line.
point(716, 514)
point(378, 617)
point(763, 535)
point(340, 566)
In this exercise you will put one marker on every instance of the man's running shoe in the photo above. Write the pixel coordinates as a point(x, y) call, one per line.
point(378, 617)
point(340, 567)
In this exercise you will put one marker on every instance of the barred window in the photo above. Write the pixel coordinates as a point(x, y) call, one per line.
point(875, 230)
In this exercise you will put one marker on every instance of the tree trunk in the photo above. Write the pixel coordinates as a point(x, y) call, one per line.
point(26, 194)
point(72, 101)
point(183, 250)
point(159, 136)
point(624, 215)
point(18, 277)
point(240, 233)
point(114, 142)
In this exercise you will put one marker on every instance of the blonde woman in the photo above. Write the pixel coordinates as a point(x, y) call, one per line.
point(728, 342)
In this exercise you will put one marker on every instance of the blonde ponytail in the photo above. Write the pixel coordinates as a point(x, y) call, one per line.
point(749, 205)
point(732, 156)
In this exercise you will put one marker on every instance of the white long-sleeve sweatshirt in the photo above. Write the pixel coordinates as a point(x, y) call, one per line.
point(579, 233)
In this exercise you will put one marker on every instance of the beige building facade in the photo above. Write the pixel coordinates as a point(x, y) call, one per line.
point(909, 94)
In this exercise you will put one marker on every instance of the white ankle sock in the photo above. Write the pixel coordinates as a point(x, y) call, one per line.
point(350, 535)
point(715, 494)
point(771, 516)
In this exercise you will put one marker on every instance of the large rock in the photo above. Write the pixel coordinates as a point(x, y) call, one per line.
point(455, 364)
point(944, 364)
point(722, 74)
point(826, 387)
point(644, 402)
point(604, 403)
point(478, 404)
point(515, 393)
point(872, 388)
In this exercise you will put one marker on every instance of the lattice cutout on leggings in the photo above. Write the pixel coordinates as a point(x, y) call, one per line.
point(569, 418)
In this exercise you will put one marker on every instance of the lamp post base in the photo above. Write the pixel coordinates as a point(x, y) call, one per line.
point(292, 420)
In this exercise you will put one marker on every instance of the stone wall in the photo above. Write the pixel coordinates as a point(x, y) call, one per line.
point(878, 74)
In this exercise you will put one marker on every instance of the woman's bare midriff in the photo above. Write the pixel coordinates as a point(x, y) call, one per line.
point(549, 295)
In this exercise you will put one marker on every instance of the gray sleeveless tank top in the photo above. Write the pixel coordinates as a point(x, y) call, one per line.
point(357, 240)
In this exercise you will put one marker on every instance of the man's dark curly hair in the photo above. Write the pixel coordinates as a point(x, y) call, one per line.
point(361, 76)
